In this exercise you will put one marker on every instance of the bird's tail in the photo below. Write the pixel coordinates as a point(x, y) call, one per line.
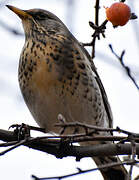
point(111, 173)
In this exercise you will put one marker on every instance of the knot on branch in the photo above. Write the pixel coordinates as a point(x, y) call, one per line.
point(98, 29)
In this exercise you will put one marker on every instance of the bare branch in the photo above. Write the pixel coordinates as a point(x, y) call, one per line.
point(127, 69)
point(65, 124)
point(89, 170)
point(64, 147)
point(98, 30)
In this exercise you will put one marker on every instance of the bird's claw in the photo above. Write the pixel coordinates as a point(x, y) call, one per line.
point(21, 130)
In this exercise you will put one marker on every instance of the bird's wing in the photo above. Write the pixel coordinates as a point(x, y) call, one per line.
point(75, 51)
point(103, 92)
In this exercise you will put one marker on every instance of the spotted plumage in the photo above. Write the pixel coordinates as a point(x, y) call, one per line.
point(57, 76)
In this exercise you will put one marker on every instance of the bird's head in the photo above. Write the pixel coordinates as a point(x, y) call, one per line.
point(37, 19)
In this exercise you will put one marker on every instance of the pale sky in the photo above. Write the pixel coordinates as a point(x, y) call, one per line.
point(123, 95)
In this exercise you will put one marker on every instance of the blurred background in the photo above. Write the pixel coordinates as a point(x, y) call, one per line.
point(22, 162)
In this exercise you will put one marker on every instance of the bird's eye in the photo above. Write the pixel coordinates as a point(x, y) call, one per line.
point(41, 16)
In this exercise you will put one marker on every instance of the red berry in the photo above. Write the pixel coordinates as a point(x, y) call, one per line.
point(118, 14)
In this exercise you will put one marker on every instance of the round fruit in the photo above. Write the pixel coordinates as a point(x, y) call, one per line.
point(118, 14)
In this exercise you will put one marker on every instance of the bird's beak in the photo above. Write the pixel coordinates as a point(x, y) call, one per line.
point(21, 13)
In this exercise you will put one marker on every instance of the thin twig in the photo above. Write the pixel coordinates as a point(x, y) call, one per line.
point(126, 68)
point(97, 29)
point(62, 146)
point(86, 171)
point(96, 128)
point(80, 138)
point(97, 24)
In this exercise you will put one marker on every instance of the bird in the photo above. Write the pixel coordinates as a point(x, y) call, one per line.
point(57, 76)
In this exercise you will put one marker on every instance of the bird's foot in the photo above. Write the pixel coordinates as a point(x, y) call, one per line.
point(23, 130)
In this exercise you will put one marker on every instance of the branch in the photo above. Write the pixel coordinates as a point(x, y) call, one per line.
point(127, 69)
point(89, 170)
point(96, 129)
point(98, 29)
point(97, 24)
point(63, 147)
